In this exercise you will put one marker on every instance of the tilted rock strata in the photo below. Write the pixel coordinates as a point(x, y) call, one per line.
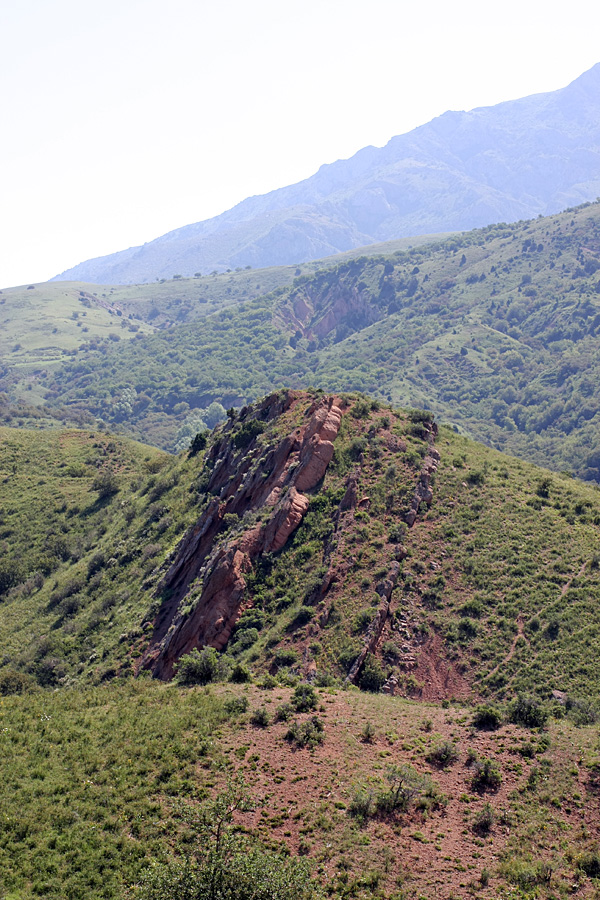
point(423, 492)
point(245, 482)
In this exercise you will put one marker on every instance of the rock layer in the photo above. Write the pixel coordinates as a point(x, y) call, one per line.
point(245, 480)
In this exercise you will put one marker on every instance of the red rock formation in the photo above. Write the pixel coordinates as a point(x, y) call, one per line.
point(245, 481)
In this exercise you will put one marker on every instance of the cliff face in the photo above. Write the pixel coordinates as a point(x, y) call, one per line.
point(244, 481)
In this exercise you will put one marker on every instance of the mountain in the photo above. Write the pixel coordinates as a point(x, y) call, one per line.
point(407, 671)
point(496, 331)
point(462, 170)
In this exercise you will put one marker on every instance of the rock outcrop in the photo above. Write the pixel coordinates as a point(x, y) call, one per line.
point(384, 589)
point(209, 565)
point(423, 492)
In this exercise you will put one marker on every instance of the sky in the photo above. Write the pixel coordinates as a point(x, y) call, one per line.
point(124, 119)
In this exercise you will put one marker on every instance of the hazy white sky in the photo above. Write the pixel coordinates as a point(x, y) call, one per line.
point(123, 119)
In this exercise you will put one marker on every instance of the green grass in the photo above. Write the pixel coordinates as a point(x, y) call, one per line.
point(87, 782)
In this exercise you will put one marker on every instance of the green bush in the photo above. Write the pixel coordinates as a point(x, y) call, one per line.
point(404, 785)
point(244, 436)
point(372, 677)
point(285, 657)
point(443, 754)
point(106, 483)
point(362, 805)
point(14, 682)
point(306, 734)
point(260, 717)
point(589, 863)
point(484, 819)
point(235, 706)
point(198, 443)
point(304, 698)
point(11, 573)
point(486, 776)
point(284, 712)
point(581, 710)
point(487, 718)
point(201, 667)
point(240, 674)
point(302, 617)
point(223, 864)
point(529, 712)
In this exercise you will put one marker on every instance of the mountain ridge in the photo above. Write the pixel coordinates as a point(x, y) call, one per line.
point(518, 159)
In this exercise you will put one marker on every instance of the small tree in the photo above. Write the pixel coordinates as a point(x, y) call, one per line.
point(223, 864)
point(106, 483)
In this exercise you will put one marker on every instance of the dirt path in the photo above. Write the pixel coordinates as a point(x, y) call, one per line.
point(568, 584)
point(513, 647)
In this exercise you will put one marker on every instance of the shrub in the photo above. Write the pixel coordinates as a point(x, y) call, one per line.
point(201, 667)
point(475, 478)
point(11, 573)
point(404, 786)
point(443, 755)
point(304, 698)
point(581, 711)
point(198, 443)
point(223, 863)
point(244, 436)
point(14, 682)
point(106, 483)
point(361, 409)
point(487, 718)
point(244, 638)
point(260, 717)
point(306, 734)
point(362, 805)
point(363, 619)
point(590, 864)
point(529, 712)
point(372, 677)
point(235, 706)
point(284, 712)
point(240, 674)
point(285, 657)
point(484, 820)
point(368, 733)
point(487, 776)
point(302, 617)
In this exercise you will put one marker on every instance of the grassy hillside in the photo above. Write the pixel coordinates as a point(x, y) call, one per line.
point(44, 325)
point(465, 580)
point(495, 331)
point(95, 784)
point(497, 581)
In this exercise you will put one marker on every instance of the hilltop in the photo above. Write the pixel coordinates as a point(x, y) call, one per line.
point(522, 158)
point(324, 533)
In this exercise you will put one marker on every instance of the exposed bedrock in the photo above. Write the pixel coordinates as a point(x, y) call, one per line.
point(423, 491)
point(245, 481)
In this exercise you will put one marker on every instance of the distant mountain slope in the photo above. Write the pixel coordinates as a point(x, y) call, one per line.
point(519, 159)
point(497, 331)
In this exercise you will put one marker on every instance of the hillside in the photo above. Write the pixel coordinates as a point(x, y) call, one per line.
point(496, 331)
point(462, 170)
point(436, 563)
point(320, 542)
